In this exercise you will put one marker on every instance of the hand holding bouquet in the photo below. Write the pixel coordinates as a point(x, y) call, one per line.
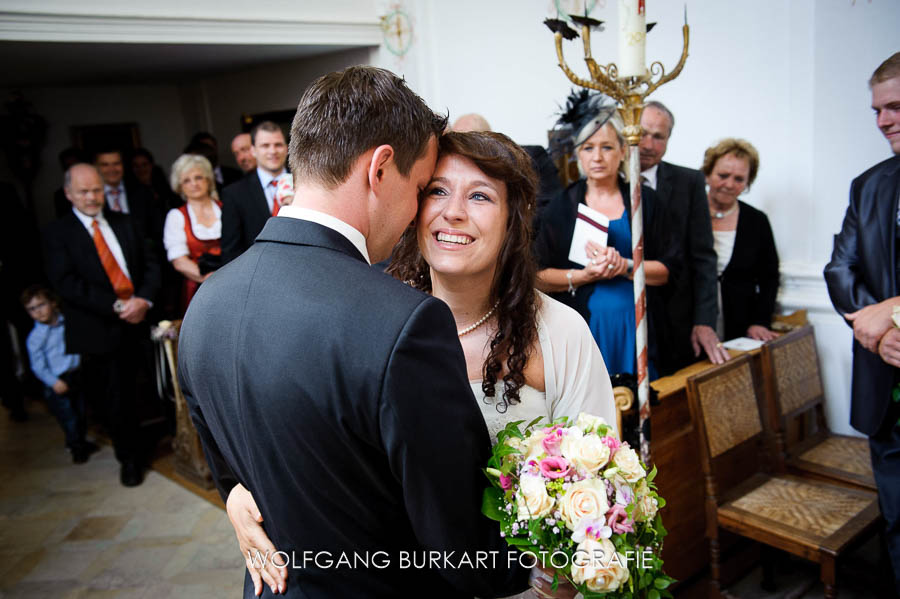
point(576, 499)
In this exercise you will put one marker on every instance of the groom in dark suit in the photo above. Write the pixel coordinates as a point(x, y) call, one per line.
point(686, 307)
point(864, 286)
point(107, 275)
point(337, 395)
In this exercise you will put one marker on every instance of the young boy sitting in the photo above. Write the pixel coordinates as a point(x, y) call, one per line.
point(55, 368)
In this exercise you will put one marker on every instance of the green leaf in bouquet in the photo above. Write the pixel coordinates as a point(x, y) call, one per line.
point(662, 583)
point(652, 474)
point(518, 542)
point(512, 430)
point(653, 594)
point(492, 504)
point(533, 422)
point(504, 451)
point(658, 525)
point(660, 502)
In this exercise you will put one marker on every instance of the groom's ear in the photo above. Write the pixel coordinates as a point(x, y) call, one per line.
point(382, 161)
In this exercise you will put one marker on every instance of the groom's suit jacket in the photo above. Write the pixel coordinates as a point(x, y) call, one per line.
point(863, 271)
point(338, 396)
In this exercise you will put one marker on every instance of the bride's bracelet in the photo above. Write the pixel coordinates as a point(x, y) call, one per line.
point(569, 279)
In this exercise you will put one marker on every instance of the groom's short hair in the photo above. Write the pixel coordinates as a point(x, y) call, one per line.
point(343, 114)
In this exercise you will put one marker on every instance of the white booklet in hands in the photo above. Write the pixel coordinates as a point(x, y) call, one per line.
point(743, 344)
point(590, 225)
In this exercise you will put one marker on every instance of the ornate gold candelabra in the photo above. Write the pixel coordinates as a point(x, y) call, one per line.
point(629, 93)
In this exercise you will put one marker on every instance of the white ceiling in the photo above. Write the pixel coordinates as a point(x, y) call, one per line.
point(30, 64)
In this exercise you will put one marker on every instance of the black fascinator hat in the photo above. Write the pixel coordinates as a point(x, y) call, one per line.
point(585, 112)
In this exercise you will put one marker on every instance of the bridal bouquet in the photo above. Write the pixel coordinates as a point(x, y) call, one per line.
point(574, 498)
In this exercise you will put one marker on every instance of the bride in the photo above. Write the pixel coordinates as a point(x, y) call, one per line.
point(527, 355)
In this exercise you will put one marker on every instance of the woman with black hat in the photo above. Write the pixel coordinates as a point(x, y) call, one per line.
point(602, 291)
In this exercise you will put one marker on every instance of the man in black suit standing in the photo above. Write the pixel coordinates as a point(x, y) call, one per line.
point(130, 198)
point(687, 306)
point(107, 277)
point(337, 395)
point(248, 204)
point(864, 285)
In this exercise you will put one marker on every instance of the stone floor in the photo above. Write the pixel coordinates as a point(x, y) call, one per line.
point(73, 532)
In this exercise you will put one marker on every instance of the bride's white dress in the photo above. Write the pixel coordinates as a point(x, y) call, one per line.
point(575, 379)
point(575, 376)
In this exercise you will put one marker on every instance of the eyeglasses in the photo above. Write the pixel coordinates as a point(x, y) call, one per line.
point(36, 307)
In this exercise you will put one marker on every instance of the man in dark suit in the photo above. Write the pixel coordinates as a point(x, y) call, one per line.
point(107, 277)
point(863, 280)
point(337, 395)
point(248, 204)
point(685, 308)
point(130, 198)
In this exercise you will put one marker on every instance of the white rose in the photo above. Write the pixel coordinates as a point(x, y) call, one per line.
point(514, 442)
point(532, 498)
point(626, 460)
point(584, 499)
point(646, 504)
point(589, 422)
point(597, 564)
point(586, 452)
point(534, 445)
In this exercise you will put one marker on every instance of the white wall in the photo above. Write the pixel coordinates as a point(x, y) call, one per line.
point(155, 108)
point(221, 100)
point(788, 76)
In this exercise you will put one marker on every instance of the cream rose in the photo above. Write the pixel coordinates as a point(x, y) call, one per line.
point(588, 453)
point(533, 446)
point(626, 460)
point(584, 499)
point(646, 505)
point(532, 498)
point(589, 422)
point(598, 565)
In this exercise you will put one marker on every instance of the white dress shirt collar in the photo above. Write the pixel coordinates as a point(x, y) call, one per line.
point(265, 177)
point(326, 220)
point(88, 221)
point(651, 174)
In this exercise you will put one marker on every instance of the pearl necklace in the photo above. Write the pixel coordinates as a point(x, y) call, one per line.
point(478, 322)
point(721, 215)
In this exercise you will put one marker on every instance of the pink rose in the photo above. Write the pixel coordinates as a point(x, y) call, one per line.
point(554, 467)
point(505, 482)
point(612, 443)
point(552, 441)
point(618, 519)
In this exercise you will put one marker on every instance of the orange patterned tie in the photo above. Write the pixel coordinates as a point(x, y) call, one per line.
point(275, 205)
point(120, 281)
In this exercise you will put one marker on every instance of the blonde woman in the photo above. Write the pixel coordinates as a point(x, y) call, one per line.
point(192, 231)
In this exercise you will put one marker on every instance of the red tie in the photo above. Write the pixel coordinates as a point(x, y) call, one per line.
point(275, 205)
point(120, 281)
point(114, 195)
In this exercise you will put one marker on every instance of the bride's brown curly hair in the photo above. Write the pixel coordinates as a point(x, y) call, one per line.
point(498, 157)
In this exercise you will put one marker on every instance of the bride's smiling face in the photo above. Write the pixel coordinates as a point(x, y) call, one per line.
point(462, 218)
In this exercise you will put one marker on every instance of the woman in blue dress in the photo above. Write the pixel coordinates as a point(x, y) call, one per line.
point(602, 292)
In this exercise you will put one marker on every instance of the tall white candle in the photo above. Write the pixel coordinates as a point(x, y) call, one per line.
point(632, 38)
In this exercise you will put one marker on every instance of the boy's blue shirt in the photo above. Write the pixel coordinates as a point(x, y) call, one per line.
point(47, 351)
